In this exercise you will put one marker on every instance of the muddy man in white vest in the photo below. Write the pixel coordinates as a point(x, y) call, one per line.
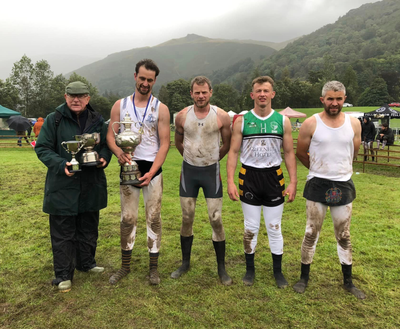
point(327, 144)
point(199, 130)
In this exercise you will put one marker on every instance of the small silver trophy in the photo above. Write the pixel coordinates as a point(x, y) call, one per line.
point(128, 140)
point(73, 147)
point(89, 141)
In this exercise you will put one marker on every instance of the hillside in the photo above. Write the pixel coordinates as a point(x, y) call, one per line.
point(177, 58)
point(369, 32)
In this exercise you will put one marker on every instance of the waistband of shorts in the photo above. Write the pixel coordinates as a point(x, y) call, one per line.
point(268, 169)
point(200, 167)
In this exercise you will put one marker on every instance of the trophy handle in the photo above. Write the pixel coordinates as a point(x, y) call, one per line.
point(62, 144)
point(112, 127)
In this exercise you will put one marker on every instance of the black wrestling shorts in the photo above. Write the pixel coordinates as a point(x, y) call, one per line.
point(329, 192)
point(261, 186)
point(208, 178)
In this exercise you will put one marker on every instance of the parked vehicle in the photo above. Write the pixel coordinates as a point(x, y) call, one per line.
point(394, 104)
point(347, 105)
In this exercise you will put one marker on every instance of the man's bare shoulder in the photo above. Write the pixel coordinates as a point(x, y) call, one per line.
point(309, 124)
point(182, 113)
point(222, 112)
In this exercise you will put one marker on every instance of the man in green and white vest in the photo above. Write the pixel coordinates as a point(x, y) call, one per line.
point(259, 135)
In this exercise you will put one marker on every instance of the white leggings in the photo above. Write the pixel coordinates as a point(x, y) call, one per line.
point(272, 218)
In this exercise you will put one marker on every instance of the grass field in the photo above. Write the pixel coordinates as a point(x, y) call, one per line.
point(197, 299)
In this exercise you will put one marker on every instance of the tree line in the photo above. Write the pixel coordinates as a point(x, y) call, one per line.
point(34, 90)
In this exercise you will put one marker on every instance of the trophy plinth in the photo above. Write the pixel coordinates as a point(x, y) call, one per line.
point(128, 140)
point(89, 141)
point(73, 147)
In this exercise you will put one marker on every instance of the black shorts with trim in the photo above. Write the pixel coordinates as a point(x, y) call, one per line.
point(208, 178)
point(329, 192)
point(261, 186)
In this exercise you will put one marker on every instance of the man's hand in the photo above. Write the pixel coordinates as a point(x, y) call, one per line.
point(291, 192)
point(69, 174)
point(146, 179)
point(124, 158)
point(233, 192)
point(102, 164)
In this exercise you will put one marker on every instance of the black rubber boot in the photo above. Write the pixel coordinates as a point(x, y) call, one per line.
point(301, 285)
point(248, 278)
point(125, 268)
point(220, 253)
point(186, 247)
point(277, 267)
point(348, 283)
point(154, 276)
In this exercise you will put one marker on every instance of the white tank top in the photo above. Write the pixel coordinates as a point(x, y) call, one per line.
point(201, 138)
point(150, 144)
point(331, 151)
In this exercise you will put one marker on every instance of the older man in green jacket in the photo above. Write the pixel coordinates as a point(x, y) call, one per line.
point(73, 199)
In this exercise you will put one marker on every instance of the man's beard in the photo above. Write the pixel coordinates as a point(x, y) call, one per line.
point(202, 106)
point(329, 113)
point(139, 89)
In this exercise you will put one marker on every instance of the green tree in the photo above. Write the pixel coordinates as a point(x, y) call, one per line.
point(375, 95)
point(176, 95)
point(350, 81)
point(9, 96)
point(22, 79)
point(41, 82)
point(226, 97)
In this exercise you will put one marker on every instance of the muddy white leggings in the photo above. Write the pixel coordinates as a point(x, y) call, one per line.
point(341, 217)
point(272, 218)
point(152, 195)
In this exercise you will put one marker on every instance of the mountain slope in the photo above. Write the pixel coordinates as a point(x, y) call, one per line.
point(371, 31)
point(177, 58)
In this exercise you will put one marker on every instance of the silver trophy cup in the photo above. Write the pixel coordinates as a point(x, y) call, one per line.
point(73, 147)
point(128, 140)
point(89, 141)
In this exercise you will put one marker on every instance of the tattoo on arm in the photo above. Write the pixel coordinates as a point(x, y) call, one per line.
point(178, 132)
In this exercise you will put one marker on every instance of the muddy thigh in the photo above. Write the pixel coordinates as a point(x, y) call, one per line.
point(315, 217)
point(341, 217)
point(129, 215)
point(152, 195)
point(188, 206)
point(214, 207)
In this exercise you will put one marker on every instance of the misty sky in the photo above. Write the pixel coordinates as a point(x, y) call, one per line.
point(98, 28)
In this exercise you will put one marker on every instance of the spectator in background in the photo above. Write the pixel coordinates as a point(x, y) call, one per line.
point(38, 125)
point(368, 136)
point(22, 134)
point(385, 136)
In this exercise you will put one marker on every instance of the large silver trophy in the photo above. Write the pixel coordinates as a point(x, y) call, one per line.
point(73, 147)
point(89, 141)
point(128, 140)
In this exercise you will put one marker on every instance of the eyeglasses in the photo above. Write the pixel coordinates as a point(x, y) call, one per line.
point(80, 97)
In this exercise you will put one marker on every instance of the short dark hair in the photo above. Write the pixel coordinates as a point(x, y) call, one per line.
point(148, 65)
point(263, 79)
point(385, 125)
point(200, 80)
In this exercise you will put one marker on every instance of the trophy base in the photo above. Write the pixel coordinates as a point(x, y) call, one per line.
point(73, 170)
point(91, 164)
point(131, 182)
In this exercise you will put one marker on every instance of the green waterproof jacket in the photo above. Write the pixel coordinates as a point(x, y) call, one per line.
point(85, 191)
